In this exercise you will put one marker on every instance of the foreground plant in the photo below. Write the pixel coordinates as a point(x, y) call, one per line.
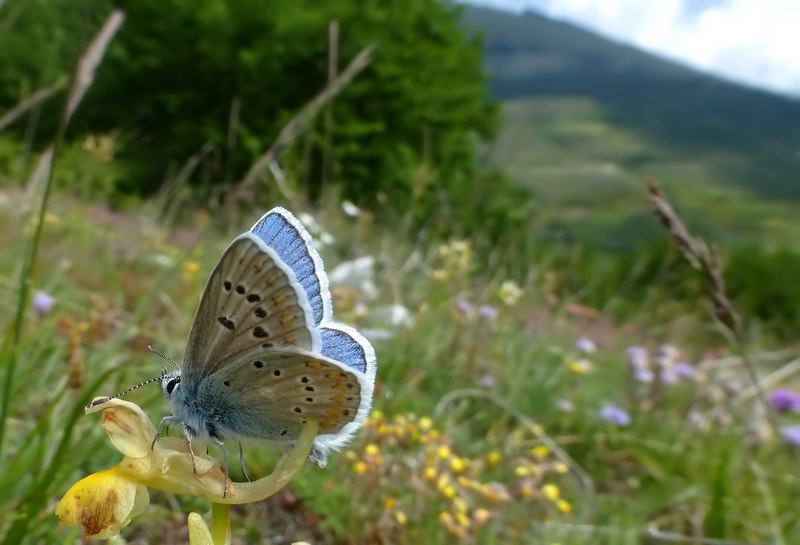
point(106, 501)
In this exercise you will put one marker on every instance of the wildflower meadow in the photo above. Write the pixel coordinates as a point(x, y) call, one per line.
point(508, 406)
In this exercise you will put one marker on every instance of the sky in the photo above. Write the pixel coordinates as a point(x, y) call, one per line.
point(756, 42)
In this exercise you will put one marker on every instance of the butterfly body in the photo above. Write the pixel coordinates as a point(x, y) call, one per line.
point(264, 356)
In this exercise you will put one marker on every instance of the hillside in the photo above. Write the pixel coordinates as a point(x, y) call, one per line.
point(588, 120)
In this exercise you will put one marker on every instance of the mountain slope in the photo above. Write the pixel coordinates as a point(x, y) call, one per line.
point(588, 121)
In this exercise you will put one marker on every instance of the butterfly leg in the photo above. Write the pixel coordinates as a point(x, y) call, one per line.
point(187, 431)
point(163, 425)
point(241, 462)
point(221, 446)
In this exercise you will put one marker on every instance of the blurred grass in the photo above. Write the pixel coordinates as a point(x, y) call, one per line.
point(122, 282)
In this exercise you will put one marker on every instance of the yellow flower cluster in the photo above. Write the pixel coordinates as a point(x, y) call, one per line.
point(453, 259)
point(407, 455)
point(510, 293)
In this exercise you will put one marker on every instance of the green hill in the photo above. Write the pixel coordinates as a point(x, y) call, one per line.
point(588, 121)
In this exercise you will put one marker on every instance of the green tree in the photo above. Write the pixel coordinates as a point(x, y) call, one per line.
point(170, 80)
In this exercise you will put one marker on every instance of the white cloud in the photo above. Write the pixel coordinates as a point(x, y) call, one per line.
point(752, 41)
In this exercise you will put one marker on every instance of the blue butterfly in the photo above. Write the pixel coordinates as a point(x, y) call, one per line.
point(264, 356)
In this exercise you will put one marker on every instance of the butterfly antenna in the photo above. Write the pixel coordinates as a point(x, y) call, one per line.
point(100, 400)
point(175, 363)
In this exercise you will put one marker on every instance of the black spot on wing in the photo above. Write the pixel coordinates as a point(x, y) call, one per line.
point(226, 323)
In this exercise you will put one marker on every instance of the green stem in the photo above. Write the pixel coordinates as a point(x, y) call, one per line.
point(11, 350)
point(220, 524)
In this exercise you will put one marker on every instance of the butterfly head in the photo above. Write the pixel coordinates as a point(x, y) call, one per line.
point(170, 383)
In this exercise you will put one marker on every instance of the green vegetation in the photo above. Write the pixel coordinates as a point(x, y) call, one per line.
point(588, 121)
point(220, 79)
point(534, 393)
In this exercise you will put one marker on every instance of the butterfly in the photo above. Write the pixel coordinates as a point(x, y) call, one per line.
point(264, 355)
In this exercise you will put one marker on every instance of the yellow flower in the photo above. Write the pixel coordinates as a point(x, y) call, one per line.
point(106, 501)
point(371, 449)
point(579, 367)
point(103, 503)
point(540, 451)
point(493, 458)
point(481, 516)
point(564, 506)
point(458, 464)
point(400, 517)
point(551, 492)
point(190, 269)
point(510, 293)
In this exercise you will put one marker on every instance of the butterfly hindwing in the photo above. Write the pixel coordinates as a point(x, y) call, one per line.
point(342, 343)
point(282, 232)
point(347, 346)
point(271, 395)
point(252, 303)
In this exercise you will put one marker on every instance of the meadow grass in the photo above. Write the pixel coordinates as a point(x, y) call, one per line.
point(488, 423)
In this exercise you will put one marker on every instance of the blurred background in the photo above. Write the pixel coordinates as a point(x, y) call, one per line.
point(551, 368)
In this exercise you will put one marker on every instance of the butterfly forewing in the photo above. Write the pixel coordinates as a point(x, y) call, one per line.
point(252, 303)
point(282, 232)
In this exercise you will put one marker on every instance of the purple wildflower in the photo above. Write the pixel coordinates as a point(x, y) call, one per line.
point(638, 357)
point(784, 400)
point(643, 375)
point(685, 370)
point(488, 312)
point(668, 376)
point(615, 415)
point(487, 380)
point(43, 303)
point(464, 307)
point(586, 345)
point(791, 434)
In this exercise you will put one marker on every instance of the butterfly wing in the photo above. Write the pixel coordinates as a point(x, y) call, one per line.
point(282, 232)
point(262, 337)
point(252, 303)
point(347, 346)
point(270, 396)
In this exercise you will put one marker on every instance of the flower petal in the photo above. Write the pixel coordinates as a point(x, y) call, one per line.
point(127, 426)
point(103, 503)
point(199, 534)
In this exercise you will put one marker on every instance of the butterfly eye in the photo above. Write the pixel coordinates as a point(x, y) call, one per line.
point(171, 384)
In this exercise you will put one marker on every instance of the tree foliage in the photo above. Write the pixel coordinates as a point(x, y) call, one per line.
point(178, 69)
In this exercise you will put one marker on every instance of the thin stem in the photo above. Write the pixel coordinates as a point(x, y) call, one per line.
point(220, 524)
